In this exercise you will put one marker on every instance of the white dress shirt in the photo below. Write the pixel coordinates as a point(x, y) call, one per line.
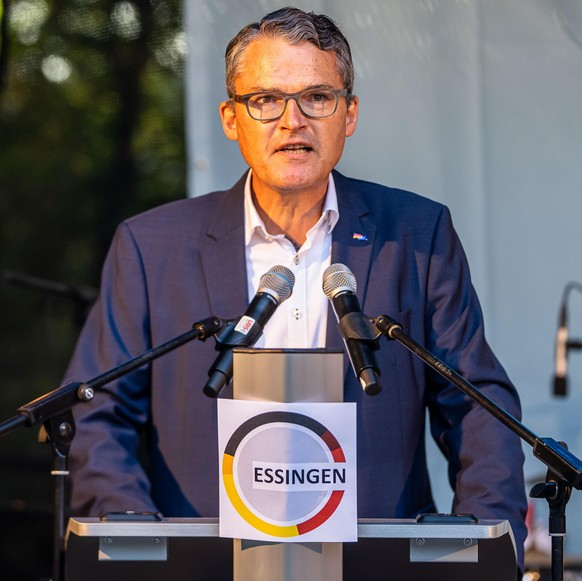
point(301, 320)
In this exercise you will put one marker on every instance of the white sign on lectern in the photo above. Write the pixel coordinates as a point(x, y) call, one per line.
point(287, 471)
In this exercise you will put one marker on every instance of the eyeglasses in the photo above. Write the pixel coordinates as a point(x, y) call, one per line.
point(313, 103)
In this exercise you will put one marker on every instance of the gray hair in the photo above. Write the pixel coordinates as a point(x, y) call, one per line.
point(295, 26)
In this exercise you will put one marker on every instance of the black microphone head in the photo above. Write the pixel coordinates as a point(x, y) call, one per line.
point(338, 278)
point(278, 281)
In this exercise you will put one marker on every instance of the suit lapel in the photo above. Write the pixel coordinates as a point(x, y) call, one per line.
point(223, 257)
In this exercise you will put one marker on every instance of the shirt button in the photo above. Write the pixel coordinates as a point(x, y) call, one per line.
point(297, 260)
point(297, 314)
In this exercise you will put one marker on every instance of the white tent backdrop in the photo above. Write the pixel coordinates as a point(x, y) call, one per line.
point(475, 103)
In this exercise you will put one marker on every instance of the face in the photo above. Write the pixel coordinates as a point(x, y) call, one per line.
point(293, 153)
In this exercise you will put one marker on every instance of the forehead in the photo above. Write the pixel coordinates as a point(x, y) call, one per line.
point(275, 63)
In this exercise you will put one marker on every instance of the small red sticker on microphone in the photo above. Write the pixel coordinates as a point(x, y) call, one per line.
point(244, 325)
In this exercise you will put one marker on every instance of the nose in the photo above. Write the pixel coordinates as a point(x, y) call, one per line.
point(292, 117)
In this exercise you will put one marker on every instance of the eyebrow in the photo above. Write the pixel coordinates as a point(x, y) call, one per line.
point(260, 89)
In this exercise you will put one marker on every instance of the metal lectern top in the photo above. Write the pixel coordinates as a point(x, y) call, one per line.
point(387, 550)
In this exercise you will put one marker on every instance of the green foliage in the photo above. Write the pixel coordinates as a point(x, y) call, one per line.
point(91, 131)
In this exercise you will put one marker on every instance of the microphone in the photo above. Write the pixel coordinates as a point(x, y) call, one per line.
point(275, 286)
point(561, 354)
point(339, 286)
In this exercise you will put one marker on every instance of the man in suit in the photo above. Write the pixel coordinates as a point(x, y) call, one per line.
point(291, 106)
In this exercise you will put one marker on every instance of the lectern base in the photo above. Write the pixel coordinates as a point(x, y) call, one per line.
point(289, 561)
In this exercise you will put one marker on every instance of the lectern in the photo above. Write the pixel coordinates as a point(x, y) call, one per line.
point(447, 548)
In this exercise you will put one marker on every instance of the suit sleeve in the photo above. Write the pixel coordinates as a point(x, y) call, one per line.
point(106, 475)
point(485, 457)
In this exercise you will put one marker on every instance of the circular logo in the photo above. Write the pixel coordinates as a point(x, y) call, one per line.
point(284, 473)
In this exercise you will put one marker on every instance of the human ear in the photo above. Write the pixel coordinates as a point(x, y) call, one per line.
point(228, 118)
point(352, 116)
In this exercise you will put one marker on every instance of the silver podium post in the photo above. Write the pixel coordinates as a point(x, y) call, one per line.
point(287, 375)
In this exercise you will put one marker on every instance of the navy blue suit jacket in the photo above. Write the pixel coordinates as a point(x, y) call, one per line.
point(184, 261)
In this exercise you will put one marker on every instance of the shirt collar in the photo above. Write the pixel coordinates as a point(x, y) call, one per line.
point(254, 224)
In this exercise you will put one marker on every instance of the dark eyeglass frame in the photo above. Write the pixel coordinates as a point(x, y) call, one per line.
point(337, 93)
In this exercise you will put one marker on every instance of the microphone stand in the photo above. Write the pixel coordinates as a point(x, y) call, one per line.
point(53, 411)
point(564, 469)
point(83, 295)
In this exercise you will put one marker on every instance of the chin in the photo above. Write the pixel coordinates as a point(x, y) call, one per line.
point(301, 180)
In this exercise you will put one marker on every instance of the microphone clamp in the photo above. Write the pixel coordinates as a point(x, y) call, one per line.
point(356, 325)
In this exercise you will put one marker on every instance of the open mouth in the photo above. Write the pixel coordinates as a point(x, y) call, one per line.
point(296, 148)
